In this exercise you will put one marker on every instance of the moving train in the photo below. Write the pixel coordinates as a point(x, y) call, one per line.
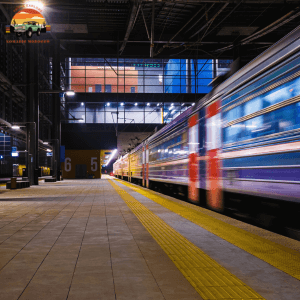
point(239, 147)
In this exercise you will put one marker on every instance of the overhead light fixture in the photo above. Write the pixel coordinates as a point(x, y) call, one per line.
point(45, 143)
point(111, 156)
point(193, 104)
point(122, 104)
point(148, 104)
point(48, 150)
point(135, 104)
point(82, 103)
point(70, 93)
point(108, 104)
point(157, 104)
point(15, 127)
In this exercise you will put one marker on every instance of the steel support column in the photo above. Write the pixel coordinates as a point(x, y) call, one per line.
point(56, 109)
point(152, 29)
point(32, 111)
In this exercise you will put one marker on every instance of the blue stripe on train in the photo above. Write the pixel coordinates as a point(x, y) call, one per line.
point(292, 158)
point(291, 174)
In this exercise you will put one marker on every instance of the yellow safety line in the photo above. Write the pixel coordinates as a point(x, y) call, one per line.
point(210, 279)
point(281, 257)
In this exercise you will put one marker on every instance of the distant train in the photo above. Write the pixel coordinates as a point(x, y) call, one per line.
point(241, 140)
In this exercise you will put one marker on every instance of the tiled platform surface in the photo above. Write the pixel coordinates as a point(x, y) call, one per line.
point(79, 240)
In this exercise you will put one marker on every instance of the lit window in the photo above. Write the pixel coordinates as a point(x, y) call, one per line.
point(98, 88)
point(108, 88)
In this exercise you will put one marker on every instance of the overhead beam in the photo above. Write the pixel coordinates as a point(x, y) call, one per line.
point(208, 23)
point(130, 26)
point(152, 29)
point(145, 23)
point(278, 23)
point(164, 46)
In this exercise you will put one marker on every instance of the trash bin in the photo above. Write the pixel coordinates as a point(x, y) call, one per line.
point(25, 173)
point(36, 177)
point(13, 183)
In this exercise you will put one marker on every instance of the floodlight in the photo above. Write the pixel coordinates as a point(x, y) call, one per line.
point(111, 156)
point(70, 93)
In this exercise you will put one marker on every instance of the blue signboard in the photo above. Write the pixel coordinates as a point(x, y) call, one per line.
point(62, 153)
point(13, 149)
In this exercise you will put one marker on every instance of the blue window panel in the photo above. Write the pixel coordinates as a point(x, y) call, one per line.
point(108, 88)
point(98, 88)
point(233, 114)
point(265, 79)
point(232, 133)
point(252, 106)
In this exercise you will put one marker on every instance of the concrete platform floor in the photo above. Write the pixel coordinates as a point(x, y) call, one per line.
point(79, 240)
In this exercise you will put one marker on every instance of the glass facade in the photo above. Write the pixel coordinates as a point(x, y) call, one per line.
point(134, 76)
point(111, 75)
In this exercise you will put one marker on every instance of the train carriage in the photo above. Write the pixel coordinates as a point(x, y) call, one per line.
point(137, 172)
point(240, 140)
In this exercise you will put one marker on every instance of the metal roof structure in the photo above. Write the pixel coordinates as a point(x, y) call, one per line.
point(170, 28)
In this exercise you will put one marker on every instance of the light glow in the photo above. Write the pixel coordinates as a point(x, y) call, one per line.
point(15, 127)
point(135, 104)
point(111, 157)
point(70, 93)
point(108, 104)
point(37, 4)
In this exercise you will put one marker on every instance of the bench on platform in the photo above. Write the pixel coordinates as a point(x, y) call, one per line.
point(50, 179)
point(19, 185)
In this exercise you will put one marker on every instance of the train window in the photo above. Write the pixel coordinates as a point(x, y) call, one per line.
point(253, 105)
point(279, 94)
point(233, 133)
point(253, 127)
point(233, 114)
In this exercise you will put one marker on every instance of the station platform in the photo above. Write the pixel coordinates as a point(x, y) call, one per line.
point(109, 239)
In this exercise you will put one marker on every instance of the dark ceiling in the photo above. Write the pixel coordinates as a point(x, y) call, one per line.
point(179, 28)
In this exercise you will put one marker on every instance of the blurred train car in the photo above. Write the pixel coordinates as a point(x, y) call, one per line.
point(239, 147)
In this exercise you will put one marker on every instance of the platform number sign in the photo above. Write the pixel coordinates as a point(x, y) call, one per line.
point(68, 165)
point(94, 164)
